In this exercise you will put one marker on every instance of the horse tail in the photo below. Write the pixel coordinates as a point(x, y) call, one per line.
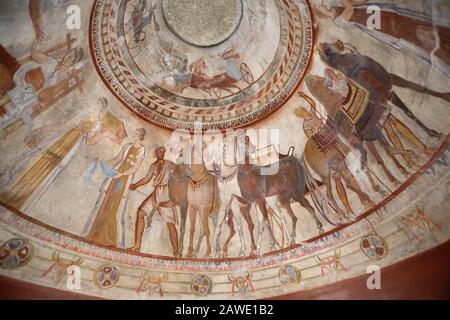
point(395, 99)
point(403, 83)
point(310, 182)
point(302, 185)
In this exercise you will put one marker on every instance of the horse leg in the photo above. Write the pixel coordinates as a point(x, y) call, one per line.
point(403, 83)
point(395, 140)
point(216, 235)
point(330, 196)
point(232, 232)
point(192, 221)
point(340, 189)
point(395, 99)
point(285, 228)
point(241, 237)
point(261, 229)
point(356, 142)
point(245, 212)
point(261, 203)
point(380, 161)
point(409, 135)
point(284, 201)
point(221, 218)
point(353, 185)
point(200, 239)
point(373, 184)
point(305, 204)
point(204, 214)
point(391, 152)
point(183, 213)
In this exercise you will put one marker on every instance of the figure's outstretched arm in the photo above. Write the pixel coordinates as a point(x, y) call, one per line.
point(145, 180)
point(37, 19)
point(93, 138)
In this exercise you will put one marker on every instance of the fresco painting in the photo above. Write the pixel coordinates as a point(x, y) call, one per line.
point(132, 146)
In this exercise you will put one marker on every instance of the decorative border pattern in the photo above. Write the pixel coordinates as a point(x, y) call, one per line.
point(112, 68)
point(17, 221)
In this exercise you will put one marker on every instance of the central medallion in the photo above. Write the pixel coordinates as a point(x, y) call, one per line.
point(203, 23)
point(201, 64)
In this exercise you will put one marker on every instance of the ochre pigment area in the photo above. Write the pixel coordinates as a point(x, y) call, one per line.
point(223, 149)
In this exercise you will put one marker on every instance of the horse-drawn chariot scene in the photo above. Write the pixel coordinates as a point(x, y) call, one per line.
point(218, 72)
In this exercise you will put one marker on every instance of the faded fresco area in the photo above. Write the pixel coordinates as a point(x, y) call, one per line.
point(270, 147)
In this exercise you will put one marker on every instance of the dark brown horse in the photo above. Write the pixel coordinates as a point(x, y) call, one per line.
point(366, 133)
point(287, 183)
point(376, 79)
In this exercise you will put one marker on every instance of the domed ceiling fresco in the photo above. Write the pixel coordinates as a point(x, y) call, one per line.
point(233, 149)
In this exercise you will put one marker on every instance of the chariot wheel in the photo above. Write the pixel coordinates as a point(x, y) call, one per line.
point(247, 75)
point(374, 246)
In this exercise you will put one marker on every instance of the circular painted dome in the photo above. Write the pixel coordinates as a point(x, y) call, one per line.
point(203, 23)
point(339, 161)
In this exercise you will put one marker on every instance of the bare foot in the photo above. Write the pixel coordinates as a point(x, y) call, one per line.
point(135, 248)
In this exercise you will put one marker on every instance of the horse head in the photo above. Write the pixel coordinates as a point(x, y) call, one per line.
point(329, 51)
point(330, 99)
point(313, 81)
point(181, 172)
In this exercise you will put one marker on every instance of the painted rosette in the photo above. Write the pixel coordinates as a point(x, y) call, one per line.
point(15, 253)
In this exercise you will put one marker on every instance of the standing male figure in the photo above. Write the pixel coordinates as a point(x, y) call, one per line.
point(159, 200)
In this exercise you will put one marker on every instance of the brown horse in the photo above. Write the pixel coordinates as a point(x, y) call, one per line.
point(288, 182)
point(329, 163)
point(376, 79)
point(365, 134)
point(204, 201)
point(178, 186)
point(379, 84)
